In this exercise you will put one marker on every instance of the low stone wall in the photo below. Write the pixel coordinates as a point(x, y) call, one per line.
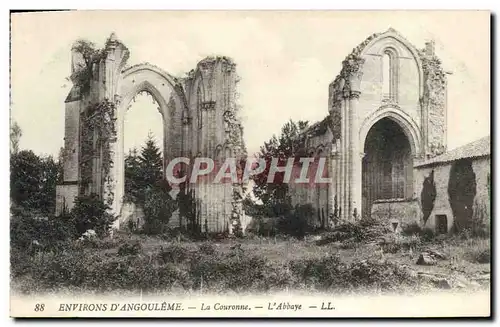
point(397, 213)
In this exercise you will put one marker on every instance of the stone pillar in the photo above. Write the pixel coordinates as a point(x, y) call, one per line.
point(333, 186)
point(355, 164)
point(343, 164)
point(116, 182)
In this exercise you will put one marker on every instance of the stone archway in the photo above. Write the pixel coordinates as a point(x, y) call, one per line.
point(162, 87)
point(387, 164)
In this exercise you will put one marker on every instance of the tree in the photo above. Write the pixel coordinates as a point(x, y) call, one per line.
point(132, 176)
point(15, 136)
point(143, 171)
point(274, 195)
point(145, 186)
point(33, 181)
point(151, 163)
point(90, 55)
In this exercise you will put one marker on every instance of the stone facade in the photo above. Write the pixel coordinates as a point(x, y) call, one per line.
point(442, 170)
point(389, 84)
point(200, 118)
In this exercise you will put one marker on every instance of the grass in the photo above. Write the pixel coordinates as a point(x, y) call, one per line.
point(368, 259)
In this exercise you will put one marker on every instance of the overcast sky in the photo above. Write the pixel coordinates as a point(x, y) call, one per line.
point(286, 61)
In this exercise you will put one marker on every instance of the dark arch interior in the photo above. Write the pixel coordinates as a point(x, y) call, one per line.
point(387, 164)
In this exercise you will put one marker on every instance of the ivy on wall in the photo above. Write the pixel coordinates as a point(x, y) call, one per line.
point(434, 99)
point(85, 70)
point(428, 196)
point(98, 133)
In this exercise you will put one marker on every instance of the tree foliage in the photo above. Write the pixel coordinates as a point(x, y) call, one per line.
point(33, 181)
point(90, 212)
point(15, 136)
point(145, 186)
point(90, 55)
point(143, 171)
point(287, 145)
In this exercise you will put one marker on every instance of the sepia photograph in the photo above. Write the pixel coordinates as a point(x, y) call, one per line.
point(201, 164)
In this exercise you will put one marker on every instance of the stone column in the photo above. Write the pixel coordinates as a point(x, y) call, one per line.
point(355, 175)
point(343, 164)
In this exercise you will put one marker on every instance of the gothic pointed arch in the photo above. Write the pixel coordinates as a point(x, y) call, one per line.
point(409, 126)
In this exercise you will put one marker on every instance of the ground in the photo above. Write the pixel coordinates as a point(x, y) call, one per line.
point(136, 263)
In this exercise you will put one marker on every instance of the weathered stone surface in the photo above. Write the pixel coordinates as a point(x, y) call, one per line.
point(201, 117)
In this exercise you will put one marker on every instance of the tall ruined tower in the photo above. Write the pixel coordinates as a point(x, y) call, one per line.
point(387, 110)
point(200, 118)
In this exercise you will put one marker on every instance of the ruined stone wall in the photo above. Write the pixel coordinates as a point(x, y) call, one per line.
point(441, 206)
point(71, 141)
point(482, 200)
point(404, 71)
point(399, 212)
point(433, 102)
point(65, 196)
point(213, 129)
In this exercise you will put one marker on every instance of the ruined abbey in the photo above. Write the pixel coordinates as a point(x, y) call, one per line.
point(386, 117)
point(200, 119)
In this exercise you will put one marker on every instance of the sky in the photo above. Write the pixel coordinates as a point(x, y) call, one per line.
point(286, 61)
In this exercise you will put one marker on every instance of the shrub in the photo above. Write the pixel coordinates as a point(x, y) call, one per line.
point(236, 271)
point(297, 222)
point(483, 256)
point(132, 248)
point(31, 234)
point(383, 275)
point(158, 208)
point(412, 229)
point(323, 273)
point(364, 230)
point(397, 243)
point(173, 254)
point(427, 235)
point(207, 248)
point(479, 251)
point(90, 212)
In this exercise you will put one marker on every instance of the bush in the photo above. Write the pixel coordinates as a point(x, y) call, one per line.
point(364, 230)
point(90, 212)
point(383, 275)
point(207, 248)
point(478, 251)
point(483, 256)
point(132, 248)
point(236, 271)
point(297, 222)
point(158, 208)
point(398, 243)
point(31, 234)
point(412, 229)
point(208, 270)
point(173, 254)
point(323, 273)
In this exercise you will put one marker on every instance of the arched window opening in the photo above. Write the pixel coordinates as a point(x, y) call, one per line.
point(199, 108)
point(389, 75)
point(144, 148)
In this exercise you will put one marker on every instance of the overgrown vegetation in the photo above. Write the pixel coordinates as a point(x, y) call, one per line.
point(288, 144)
point(203, 268)
point(284, 219)
point(145, 187)
point(83, 74)
point(33, 181)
